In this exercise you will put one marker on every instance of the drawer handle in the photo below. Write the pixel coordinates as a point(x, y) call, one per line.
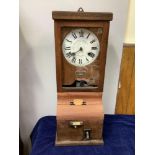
point(75, 124)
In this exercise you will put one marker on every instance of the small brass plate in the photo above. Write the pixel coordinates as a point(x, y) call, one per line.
point(78, 101)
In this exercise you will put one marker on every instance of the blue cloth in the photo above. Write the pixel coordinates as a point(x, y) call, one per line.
point(119, 138)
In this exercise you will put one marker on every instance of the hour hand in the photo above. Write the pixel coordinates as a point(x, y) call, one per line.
point(73, 53)
point(79, 50)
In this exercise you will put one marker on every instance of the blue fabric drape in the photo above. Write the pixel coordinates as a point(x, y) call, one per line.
point(118, 133)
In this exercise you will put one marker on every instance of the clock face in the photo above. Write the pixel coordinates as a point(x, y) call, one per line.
point(80, 47)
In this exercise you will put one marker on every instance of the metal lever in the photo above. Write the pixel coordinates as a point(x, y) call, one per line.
point(87, 134)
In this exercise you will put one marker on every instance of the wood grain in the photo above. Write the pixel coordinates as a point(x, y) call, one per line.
point(90, 142)
point(131, 100)
point(69, 15)
point(125, 103)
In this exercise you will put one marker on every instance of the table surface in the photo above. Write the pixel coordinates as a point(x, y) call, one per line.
point(118, 133)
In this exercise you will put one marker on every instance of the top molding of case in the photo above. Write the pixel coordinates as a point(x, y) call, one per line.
point(81, 15)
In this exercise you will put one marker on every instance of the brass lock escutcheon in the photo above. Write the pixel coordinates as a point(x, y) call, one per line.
point(76, 124)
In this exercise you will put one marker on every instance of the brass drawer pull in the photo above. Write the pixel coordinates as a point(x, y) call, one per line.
point(75, 124)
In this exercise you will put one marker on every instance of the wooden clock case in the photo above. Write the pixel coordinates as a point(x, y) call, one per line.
point(79, 106)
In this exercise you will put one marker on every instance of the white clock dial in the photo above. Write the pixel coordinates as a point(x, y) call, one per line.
point(80, 47)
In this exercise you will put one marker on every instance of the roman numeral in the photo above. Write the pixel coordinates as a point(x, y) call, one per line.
point(88, 35)
point(68, 48)
point(91, 54)
point(81, 33)
point(68, 54)
point(80, 61)
point(94, 48)
point(69, 41)
point(73, 60)
point(87, 59)
point(74, 35)
point(93, 41)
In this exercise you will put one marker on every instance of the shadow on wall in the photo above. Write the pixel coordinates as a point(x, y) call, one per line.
point(28, 80)
point(111, 76)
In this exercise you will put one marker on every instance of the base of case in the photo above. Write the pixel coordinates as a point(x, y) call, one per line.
point(86, 142)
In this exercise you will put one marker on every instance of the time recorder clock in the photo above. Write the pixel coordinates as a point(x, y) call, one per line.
point(81, 40)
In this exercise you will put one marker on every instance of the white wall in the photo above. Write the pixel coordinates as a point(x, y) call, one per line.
point(37, 58)
point(130, 27)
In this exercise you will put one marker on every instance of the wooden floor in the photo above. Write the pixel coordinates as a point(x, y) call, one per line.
point(125, 103)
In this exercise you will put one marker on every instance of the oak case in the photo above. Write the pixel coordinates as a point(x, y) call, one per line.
point(80, 124)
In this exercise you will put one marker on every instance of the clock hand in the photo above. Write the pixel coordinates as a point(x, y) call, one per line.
point(81, 49)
